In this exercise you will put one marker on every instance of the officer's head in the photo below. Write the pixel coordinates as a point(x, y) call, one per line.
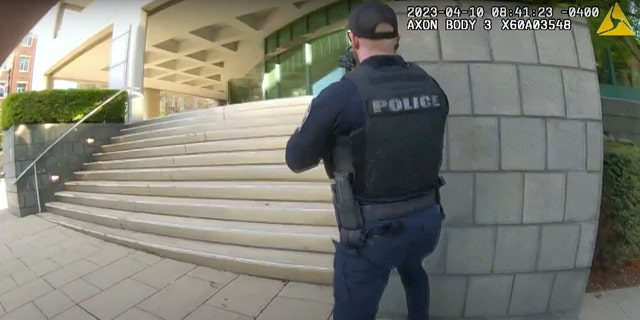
point(373, 30)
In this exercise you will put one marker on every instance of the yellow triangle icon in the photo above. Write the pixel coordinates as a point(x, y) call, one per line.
point(615, 23)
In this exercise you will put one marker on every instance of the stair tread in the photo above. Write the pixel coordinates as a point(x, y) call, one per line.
point(308, 260)
point(204, 184)
point(269, 166)
point(183, 145)
point(201, 224)
point(308, 207)
point(139, 141)
point(187, 156)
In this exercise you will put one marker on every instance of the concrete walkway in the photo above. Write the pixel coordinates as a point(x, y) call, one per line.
point(50, 272)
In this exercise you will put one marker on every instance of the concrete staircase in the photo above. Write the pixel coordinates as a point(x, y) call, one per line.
point(209, 187)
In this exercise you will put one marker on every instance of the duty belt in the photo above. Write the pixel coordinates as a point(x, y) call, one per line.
point(393, 210)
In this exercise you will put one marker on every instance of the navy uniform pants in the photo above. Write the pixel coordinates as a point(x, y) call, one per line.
point(360, 276)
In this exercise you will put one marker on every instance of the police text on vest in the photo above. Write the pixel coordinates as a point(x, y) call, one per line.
point(422, 24)
point(405, 104)
point(460, 24)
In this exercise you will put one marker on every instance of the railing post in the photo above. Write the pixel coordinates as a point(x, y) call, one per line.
point(35, 176)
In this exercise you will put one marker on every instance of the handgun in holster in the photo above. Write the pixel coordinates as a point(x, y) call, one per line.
point(346, 206)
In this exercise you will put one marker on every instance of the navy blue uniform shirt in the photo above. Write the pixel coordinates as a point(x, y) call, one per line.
point(337, 110)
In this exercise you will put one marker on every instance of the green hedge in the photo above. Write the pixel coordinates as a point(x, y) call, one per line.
point(61, 106)
point(619, 229)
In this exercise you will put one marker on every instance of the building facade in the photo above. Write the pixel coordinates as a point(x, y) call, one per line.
point(16, 73)
point(523, 144)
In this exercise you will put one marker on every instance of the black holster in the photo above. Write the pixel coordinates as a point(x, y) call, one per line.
point(347, 211)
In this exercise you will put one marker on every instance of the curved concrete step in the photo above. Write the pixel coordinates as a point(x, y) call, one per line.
point(283, 212)
point(174, 119)
point(249, 144)
point(186, 116)
point(203, 126)
point(250, 234)
point(239, 190)
point(214, 120)
point(193, 160)
point(215, 135)
point(271, 263)
point(230, 172)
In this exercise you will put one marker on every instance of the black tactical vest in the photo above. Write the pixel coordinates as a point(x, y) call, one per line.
point(398, 152)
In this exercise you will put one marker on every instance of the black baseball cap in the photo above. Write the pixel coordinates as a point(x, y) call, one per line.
point(366, 17)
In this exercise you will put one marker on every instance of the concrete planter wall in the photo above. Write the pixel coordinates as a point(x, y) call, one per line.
point(22, 144)
point(524, 165)
point(621, 118)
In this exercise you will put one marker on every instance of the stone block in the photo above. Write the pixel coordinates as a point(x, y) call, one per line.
point(584, 44)
point(522, 143)
point(531, 293)
point(465, 45)
point(583, 196)
point(435, 262)
point(542, 93)
point(485, 78)
point(417, 45)
point(544, 197)
point(470, 250)
point(117, 299)
point(457, 197)
point(582, 92)
point(568, 290)
point(447, 295)
point(473, 143)
point(163, 273)
point(512, 46)
point(498, 198)
point(454, 80)
point(588, 234)
point(556, 48)
point(488, 296)
point(566, 144)
point(595, 140)
point(178, 299)
point(516, 249)
point(247, 295)
point(558, 246)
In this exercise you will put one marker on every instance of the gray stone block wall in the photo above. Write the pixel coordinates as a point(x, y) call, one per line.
point(523, 165)
point(24, 143)
point(621, 119)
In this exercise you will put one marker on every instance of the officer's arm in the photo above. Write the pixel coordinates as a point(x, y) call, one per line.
point(310, 141)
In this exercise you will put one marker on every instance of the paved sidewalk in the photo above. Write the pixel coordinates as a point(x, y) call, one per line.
point(50, 272)
point(621, 304)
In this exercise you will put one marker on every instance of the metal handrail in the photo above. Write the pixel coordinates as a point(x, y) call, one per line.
point(33, 163)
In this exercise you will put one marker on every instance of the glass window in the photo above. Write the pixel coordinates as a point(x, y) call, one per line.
point(338, 11)
point(21, 87)
point(293, 73)
point(317, 20)
point(28, 41)
point(299, 28)
point(329, 47)
point(284, 36)
point(271, 43)
point(24, 64)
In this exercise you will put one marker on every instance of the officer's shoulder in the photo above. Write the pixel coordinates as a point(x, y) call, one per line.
point(337, 91)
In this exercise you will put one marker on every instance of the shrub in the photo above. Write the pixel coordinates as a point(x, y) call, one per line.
point(619, 229)
point(61, 106)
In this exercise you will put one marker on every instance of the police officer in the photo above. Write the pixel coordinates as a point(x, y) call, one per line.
point(379, 131)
